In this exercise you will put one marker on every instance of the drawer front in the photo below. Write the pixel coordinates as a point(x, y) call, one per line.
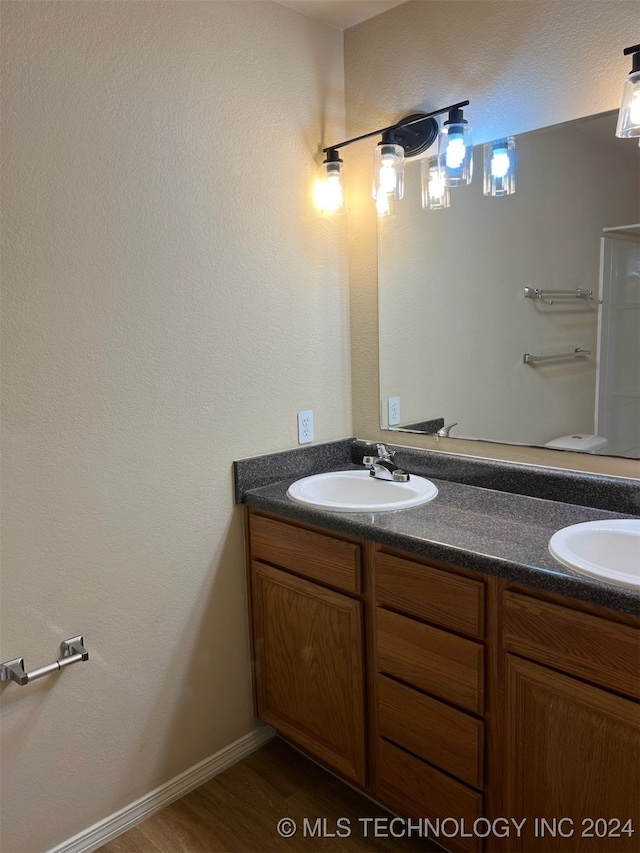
point(413, 789)
point(439, 663)
point(586, 646)
point(313, 555)
point(443, 598)
point(450, 739)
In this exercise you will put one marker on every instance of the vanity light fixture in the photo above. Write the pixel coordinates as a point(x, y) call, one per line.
point(409, 137)
point(629, 115)
point(435, 193)
point(500, 167)
point(456, 149)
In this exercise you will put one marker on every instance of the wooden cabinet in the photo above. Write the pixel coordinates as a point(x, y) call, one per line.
point(572, 749)
point(308, 647)
point(445, 693)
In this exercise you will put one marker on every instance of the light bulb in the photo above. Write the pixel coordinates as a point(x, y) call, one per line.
point(634, 108)
point(499, 162)
point(436, 184)
point(385, 205)
point(388, 170)
point(329, 192)
point(500, 167)
point(435, 193)
point(629, 115)
point(334, 197)
point(387, 174)
point(455, 151)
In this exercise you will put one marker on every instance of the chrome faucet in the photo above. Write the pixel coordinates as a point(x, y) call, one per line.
point(382, 466)
point(443, 432)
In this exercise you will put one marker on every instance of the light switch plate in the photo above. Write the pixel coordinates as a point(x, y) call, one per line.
point(305, 427)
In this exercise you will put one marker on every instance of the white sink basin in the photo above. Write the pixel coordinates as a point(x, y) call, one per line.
point(357, 491)
point(608, 550)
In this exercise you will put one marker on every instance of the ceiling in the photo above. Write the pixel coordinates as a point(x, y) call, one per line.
point(340, 13)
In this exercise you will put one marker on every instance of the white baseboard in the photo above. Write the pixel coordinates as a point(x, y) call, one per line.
point(98, 834)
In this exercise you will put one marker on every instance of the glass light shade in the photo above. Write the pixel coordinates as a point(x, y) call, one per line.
point(435, 193)
point(500, 167)
point(456, 154)
point(629, 115)
point(330, 198)
point(385, 205)
point(388, 170)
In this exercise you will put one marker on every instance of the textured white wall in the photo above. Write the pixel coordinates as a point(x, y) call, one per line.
point(171, 300)
point(522, 65)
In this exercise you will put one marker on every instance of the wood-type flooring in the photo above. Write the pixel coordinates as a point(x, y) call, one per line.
point(238, 812)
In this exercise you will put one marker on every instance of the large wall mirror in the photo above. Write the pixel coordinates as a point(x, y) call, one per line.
point(454, 321)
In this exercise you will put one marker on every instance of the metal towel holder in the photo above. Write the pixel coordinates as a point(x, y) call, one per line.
point(529, 359)
point(73, 651)
point(557, 297)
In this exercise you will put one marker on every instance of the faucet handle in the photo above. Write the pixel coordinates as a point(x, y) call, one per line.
point(384, 452)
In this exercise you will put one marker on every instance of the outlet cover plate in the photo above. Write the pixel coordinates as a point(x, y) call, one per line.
point(394, 411)
point(305, 427)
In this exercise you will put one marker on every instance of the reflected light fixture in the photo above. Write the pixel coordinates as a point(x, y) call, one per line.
point(435, 193)
point(385, 205)
point(500, 167)
point(456, 150)
point(629, 115)
point(409, 137)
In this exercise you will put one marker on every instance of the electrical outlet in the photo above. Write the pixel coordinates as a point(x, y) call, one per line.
point(305, 427)
point(394, 411)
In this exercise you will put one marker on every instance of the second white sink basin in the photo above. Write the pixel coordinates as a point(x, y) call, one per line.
point(607, 550)
point(357, 491)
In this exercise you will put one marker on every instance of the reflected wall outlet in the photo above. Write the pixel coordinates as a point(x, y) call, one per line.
point(305, 427)
point(394, 411)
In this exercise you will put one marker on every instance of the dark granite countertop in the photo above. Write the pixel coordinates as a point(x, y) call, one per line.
point(496, 532)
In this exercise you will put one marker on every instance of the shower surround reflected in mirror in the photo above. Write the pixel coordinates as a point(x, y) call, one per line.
point(454, 323)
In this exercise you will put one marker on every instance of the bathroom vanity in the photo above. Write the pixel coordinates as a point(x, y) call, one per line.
point(454, 690)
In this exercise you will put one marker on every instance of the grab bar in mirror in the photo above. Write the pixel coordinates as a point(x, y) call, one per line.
point(73, 651)
point(528, 358)
point(555, 297)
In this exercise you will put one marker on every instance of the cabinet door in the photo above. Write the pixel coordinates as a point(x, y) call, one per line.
point(309, 667)
point(573, 752)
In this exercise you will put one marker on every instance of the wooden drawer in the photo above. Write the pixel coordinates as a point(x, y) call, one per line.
point(450, 739)
point(443, 598)
point(413, 789)
point(586, 646)
point(439, 663)
point(314, 555)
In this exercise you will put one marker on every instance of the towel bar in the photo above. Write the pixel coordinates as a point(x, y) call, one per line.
point(528, 358)
point(555, 297)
